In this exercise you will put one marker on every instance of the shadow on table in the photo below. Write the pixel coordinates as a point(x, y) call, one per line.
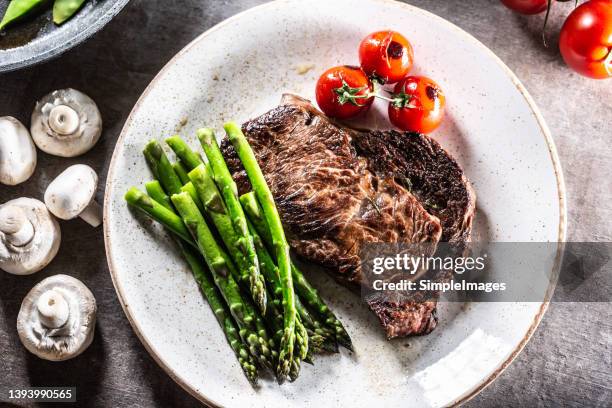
point(85, 372)
point(547, 41)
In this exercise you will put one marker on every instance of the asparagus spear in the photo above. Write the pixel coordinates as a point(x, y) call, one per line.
point(189, 158)
point(255, 215)
point(281, 247)
point(181, 171)
point(236, 242)
point(190, 188)
point(158, 212)
point(270, 272)
point(221, 216)
point(222, 268)
point(306, 292)
point(161, 167)
point(229, 191)
point(317, 335)
point(166, 172)
point(212, 295)
point(157, 193)
point(185, 154)
point(312, 298)
point(261, 346)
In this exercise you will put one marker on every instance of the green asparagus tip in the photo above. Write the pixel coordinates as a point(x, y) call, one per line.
point(331, 346)
point(345, 342)
point(308, 359)
point(280, 379)
point(295, 371)
point(252, 377)
point(206, 135)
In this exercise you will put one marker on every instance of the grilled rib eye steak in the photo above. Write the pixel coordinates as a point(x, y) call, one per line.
point(337, 188)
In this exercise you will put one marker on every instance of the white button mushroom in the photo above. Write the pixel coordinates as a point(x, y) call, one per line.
point(72, 194)
point(17, 152)
point(66, 123)
point(57, 318)
point(29, 236)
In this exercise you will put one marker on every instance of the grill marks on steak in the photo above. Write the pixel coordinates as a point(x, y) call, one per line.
point(337, 189)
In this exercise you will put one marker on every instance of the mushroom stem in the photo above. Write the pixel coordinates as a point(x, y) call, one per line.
point(63, 120)
point(92, 214)
point(66, 122)
point(53, 309)
point(15, 225)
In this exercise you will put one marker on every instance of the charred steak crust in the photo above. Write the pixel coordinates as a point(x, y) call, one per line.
point(337, 189)
point(401, 318)
point(428, 171)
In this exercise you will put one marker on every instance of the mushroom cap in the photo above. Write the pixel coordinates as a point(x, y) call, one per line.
point(72, 338)
point(72, 140)
point(17, 152)
point(72, 191)
point(40, 250)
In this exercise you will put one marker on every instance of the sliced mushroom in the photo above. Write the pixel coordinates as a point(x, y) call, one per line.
point(29, 236)
point(57, 318)
point(72, 194)
point(17, 152)
point(66, 123)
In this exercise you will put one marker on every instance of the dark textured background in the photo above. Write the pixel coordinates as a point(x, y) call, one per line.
point(568, 362)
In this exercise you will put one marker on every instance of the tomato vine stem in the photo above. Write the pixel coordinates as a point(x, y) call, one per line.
point(348, 94)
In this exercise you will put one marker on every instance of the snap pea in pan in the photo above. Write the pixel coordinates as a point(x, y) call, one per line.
point(39, 39)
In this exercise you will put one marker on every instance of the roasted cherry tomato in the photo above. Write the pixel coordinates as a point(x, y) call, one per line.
point(526, 6)
point(418, 104)
point(386, 56)
point(344, 92)
point(586, 39)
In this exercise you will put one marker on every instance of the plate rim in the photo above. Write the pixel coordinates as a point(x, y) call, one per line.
point(544, 130)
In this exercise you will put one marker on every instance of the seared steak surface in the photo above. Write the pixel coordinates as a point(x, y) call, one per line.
point(430, 173)
point(337, 189)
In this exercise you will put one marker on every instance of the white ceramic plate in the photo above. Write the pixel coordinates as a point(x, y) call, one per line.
point(239, 69)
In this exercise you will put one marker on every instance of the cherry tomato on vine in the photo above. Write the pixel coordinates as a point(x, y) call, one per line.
point(586, 39)
point(386, 55)
point(344, 92)
point(526, 6)
point(418, 104)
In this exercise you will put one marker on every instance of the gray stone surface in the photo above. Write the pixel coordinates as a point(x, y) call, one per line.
point(568, 362)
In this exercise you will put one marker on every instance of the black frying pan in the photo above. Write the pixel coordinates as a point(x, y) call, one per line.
point(38, 39)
